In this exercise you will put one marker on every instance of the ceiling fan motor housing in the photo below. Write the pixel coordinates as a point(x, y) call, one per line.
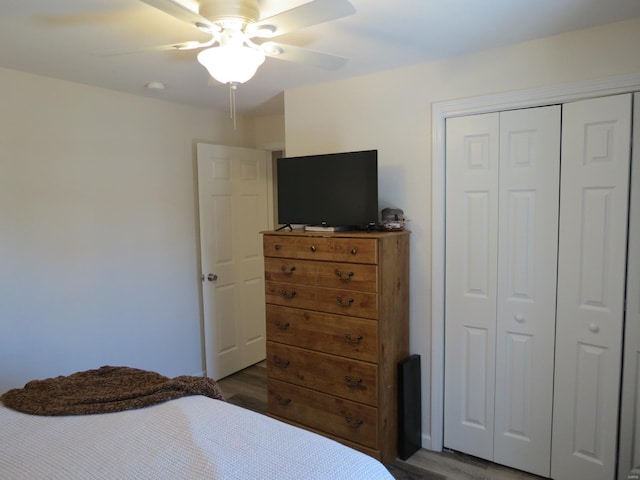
point(225, 11)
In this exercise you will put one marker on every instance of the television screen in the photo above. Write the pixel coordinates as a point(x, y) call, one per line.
point(334, 190)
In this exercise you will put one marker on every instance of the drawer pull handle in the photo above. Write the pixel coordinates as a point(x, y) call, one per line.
point(283, 401)
point(281, 363)
point(352, 382)
point(346, 277)
point(353, 423)
point(312, 248)
point(348, 303)
point(352, 340)
point(354, 251)
point(289, 271)
point(286, 294)
point(281, 326)
point(277, 247)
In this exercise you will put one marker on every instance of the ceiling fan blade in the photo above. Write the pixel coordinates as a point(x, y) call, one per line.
point(156, 48)
point(181, 12)
point(302, 55)
point(312, 13)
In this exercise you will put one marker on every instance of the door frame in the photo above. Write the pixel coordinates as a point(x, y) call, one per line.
point(537, 97)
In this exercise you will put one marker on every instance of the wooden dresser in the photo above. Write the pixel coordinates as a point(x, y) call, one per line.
point(337, 326)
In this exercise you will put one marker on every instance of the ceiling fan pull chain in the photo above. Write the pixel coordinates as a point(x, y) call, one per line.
point(232, 102)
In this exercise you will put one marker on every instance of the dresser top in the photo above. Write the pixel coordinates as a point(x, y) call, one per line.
point(345, 234)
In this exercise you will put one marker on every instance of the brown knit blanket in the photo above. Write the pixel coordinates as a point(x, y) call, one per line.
point(105, 390)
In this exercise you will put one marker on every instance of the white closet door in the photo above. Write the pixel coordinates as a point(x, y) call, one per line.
point(471, 263)
point(629, 461)
point(591, 280)
point(527, 270)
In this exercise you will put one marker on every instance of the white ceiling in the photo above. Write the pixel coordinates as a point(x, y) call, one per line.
point(103, 42)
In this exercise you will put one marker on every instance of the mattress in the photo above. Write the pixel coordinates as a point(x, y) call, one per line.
point(188, 438)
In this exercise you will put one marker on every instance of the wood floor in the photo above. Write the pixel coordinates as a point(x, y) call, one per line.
point(248, 388)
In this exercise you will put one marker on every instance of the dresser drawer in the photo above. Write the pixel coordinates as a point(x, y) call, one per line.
point(290, 270)
point(280, 246)
point(335, 416)
point(313, 248)
point(350, 379)
point(343, 302)
point(355, 250)
point(288, 294)
point(335, 334)
point(347, 302)
point(350, 276)
point(343, 249)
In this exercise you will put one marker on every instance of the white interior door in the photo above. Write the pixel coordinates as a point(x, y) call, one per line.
point(471, 266)
point(527, 261)
point(232, 190)
point(591, 281)
point(629, 457)
point(501, 251)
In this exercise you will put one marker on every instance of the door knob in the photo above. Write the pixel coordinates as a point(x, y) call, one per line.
point(211, 277)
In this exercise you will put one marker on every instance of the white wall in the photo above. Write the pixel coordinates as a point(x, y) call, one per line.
point(391, 112)
point(98, 228)
point(269, 132)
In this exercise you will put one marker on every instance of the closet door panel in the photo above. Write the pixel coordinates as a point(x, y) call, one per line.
point(629, 457)
point(591, 280)
point(471, 259)
point(527, 245)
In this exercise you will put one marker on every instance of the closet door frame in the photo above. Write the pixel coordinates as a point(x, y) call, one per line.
point(481, 104)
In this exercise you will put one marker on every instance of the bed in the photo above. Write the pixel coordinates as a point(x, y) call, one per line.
point(189, 437)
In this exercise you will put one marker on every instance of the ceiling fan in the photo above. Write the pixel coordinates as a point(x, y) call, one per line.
point(240, 37)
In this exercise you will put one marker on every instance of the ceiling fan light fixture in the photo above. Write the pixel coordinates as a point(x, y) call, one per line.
point(231, 63)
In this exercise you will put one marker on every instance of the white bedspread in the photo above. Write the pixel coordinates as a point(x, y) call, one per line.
point(188, 438)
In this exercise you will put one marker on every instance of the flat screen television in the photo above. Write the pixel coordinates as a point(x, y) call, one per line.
point(329, 190)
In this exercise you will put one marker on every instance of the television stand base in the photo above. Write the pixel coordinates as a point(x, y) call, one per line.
point(324, 228)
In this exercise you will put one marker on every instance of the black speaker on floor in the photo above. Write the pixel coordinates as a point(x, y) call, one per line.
point(409, 410)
